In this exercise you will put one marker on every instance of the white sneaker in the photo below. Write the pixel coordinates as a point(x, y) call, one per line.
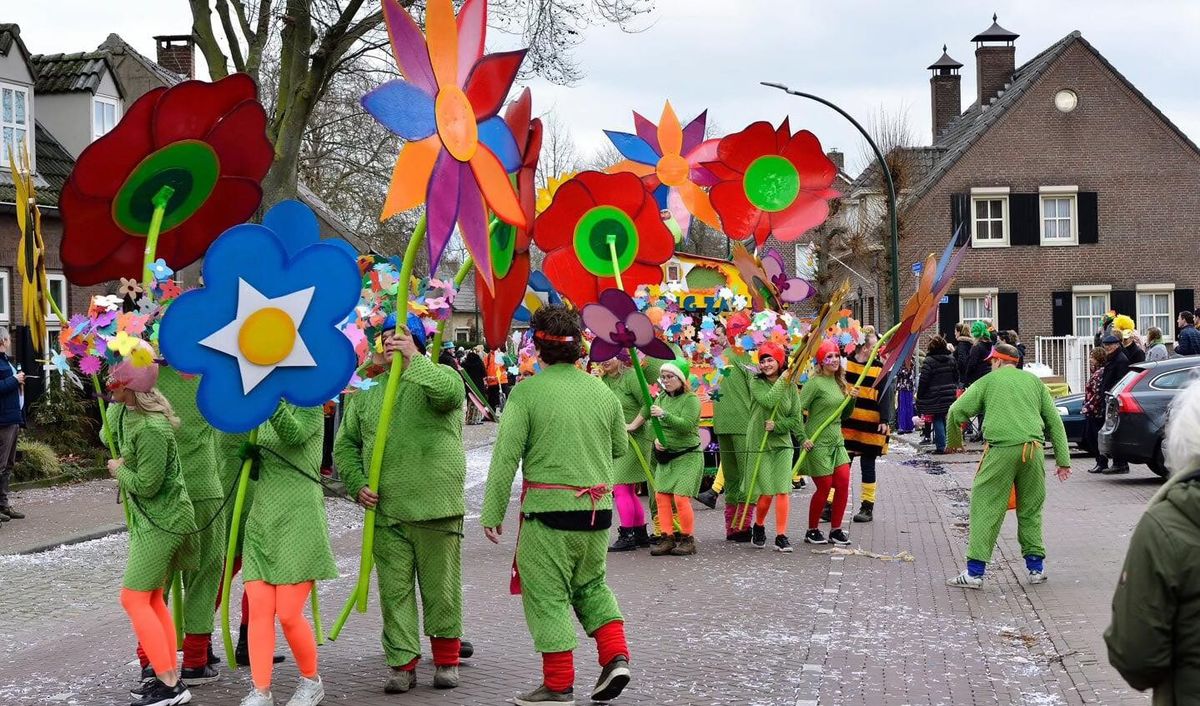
point(308, 693)
point(966, 580)
point(257, 698)
point(1036, 577)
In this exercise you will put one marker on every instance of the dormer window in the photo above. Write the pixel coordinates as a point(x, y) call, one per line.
point(15, 121)
point(105, 113)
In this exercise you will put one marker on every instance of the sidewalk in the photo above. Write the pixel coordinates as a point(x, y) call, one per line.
point(65, 514)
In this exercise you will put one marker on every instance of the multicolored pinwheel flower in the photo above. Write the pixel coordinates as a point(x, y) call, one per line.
point(619, 326)
point(264, 325)
point(459, 152)
point(670, 160)
point(574, 234)
point(207, 141)
point(771, 183)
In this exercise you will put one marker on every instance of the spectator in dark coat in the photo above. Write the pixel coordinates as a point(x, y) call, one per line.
point(1114, 370)
point(12, 416)
point(472, 365)
point(937, 388)
point(1188, 340)
point(978, 364)
point(1012, 339)
point(963, 343)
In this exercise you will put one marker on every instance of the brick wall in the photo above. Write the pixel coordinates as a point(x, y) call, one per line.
point(993, 68)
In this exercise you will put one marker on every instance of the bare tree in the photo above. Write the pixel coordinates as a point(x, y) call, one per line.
point(559, 153)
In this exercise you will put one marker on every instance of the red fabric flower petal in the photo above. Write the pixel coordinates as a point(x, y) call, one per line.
point(806, 213)
point(656, 244)
point(556, 225)
point(817, 171)
point(490, 81)
point(498, 309)
point(737, 151)
point(565, 271)
point(239, 156)
point(233, 201)
point(104, 165)
point(190, 110)
point(738, 215)
point(127, 258)
point(624, 190)
point(92, 217)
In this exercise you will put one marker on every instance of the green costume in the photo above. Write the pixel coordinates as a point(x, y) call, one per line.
point(229, 467)
point(625, 385)
point(1018, 412)
point(287, 535)
point(681, 428)
point(160, 508)
point(731, 410)
point(196, 441)
point(818, 399)
point(775, 468)
point(419, 519)
point(562, 427)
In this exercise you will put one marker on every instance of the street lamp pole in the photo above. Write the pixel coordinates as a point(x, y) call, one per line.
point(891, 187)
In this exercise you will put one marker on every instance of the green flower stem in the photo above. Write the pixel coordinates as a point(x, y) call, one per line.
point(316, 615)
point(177, 605)
point(633, 354)
point(459, 276)
point(160, 209)
point(108, 434)
point(239, 501)
point(637, 450)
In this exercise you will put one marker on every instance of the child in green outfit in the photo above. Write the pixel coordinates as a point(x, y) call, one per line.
point(680, 464)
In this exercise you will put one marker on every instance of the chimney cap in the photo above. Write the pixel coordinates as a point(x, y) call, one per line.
point(946, 62)
point(995, 33)
point(173, 37)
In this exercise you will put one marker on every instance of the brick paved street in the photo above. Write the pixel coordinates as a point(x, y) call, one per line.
point(729, 626)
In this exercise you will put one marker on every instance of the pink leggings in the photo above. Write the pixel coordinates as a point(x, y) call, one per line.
point(629, 508)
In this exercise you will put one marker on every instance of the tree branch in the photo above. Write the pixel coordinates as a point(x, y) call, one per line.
point(261, 34)
point(202, 30)
point(231, 37)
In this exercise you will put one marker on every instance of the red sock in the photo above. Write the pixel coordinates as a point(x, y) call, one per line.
point(411, 666)
point(610, 642)
point(558, 670)
point(445, 650)
point(245, 609)
point(195, 651)
point(142, 658)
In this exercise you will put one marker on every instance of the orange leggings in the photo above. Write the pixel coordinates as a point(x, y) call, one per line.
point(683, 508)
point(266, 602)
point(153, 627)
point(783, 504)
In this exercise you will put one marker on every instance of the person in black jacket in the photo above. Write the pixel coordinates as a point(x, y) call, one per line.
point(1114, 370)
point(937, 388)
point(12, 416)
point(977, 362)
point(1132, 347)
point(472, 365)
point(963, 343)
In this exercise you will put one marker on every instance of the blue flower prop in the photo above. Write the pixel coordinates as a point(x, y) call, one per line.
point(264, 326)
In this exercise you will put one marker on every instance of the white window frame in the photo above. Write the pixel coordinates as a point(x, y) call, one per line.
point(1070, 193)
point(28, 125)
point(462, 334)
point(1157, 289)
point(51, 279)
point(677, 267)
point(990, 193)
point(5, 297)
point(982, 294)
point(1089, 290)
point(101, 100)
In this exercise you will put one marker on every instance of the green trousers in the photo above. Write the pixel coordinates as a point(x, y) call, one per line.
point(734, 466)
point(1000, 469)
point(200, 587)
point(425, 556)
point(563, 573)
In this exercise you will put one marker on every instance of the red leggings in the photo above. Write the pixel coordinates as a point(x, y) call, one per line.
point(840, 482)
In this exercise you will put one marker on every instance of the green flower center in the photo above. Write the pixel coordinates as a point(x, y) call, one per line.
point(771, 183)
point(591, 240)
point(190, 167)
point(504, 244)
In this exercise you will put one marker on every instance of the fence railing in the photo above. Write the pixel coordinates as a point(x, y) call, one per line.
point(1067, 356)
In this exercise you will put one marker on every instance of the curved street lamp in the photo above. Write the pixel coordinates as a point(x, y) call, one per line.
point(891, 188)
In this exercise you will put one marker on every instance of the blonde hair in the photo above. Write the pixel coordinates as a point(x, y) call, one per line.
point(1181, 444)
point(153, 402)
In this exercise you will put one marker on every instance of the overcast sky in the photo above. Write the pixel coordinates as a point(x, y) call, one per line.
point(865, 56)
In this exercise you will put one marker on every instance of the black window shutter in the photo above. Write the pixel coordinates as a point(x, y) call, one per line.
point(1006, 312)
point(960, 216)
point(1089, 217)
point(948, 317)
point(1061, 314)
point(1185, 300)
point(1124, 302)
point(1025, 224)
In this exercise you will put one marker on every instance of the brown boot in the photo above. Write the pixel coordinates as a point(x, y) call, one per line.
point(665, 546)
point(685, 547)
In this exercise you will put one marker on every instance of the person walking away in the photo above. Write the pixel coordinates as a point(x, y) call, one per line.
point(420, 503)
point(938, 388)
point(12, 417)
point(680, 463)
point(1152, 638)
point(622, 381)
point(1187, 341)
point(865, 431)
point(1012, 339)
point(906, 389)
point(827, 461)
point(731, 414)
point(1115, 369)
point(1156, 350)
point(1093, 410)
point(963, 343)
point(1019, 416)
point(562, 428)
point(771, 390)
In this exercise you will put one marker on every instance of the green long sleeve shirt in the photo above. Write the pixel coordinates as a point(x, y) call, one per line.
point(819, 398)
point(194, 436)
point(680, 420)
point(149, 472)
point(562, 427)
point(424, 468)
point(732, 408)
point(1017, 409)
point(764, 395)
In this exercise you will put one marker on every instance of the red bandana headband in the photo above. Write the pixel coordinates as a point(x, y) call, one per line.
point(543, 336)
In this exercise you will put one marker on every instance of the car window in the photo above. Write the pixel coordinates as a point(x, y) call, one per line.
point(1124, 382)
point(1175, 379)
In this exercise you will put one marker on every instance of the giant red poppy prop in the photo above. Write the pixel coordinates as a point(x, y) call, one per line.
point(207, 141)
point(574, 232)
point(771, 183)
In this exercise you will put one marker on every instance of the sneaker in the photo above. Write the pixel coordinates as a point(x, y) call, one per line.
point(613, 680)
point(196, 676)
point(686, 546)
point(799, 483)
point(465, 649)
point(1097, 469)
point(625, 541)
point(758, 538)
point(740, 536)
point(11, 513)
point(542, 695)
point(309, 692)
point(815, 536)
point(1116, 470)
point(160, 694)
point(213, 659)
point(3, 518)
point(708, 498)
point(839, 536)
point(1036, 577)
point(257, 698)
point(782, 544)
point(400, 681)
point(445, 676)
point(966, 580)
point(145, 687)
point(827, 513)
point(866, 513)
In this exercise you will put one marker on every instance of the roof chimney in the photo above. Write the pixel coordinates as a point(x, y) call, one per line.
point(995, 61)
point(175, 54)
point(945, 92)
point(838, 159)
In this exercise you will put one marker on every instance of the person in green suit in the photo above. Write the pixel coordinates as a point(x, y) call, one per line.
point(628, 470)
point(680, 463)
point(419, 504)
point(772, 390)
point(731, 414)
point(827, 461)
point(562, 428)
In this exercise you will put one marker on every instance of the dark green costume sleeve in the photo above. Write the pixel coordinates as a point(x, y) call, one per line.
point(442, 386)
point(1141, 637)
point(347, 448)
point(1057, 432)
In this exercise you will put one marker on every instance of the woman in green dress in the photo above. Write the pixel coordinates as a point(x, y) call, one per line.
point(680, 463)
point(827, 461)
point(772, 390)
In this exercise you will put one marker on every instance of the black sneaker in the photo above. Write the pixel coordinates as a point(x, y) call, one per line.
point(758, 537)
point(827, 513)
point(144, 688)
point(613, 680)
point(160, 694)
point(465, 649)
point(1097, 469)
point(11, 513)
point(839, 536)
point(1116, 470)
point(708, 498)
point(213, 659)
point(815, 536)
point(199, 675)
point(782, 544)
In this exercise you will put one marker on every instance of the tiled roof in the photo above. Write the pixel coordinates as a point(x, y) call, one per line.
point(53, 164)
point(115, 45)
point(464, 301)
point(10, 35)
point(67, 73)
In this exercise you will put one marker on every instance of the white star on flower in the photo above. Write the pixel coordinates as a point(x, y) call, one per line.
point(228, 340)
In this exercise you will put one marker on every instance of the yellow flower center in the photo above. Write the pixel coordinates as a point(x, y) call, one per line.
point(267, 336)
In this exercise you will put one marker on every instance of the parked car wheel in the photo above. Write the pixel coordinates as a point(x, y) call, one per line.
point(1158, 464)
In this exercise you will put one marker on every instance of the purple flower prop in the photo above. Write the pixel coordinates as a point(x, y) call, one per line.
point(790, 289)
point(618, 325)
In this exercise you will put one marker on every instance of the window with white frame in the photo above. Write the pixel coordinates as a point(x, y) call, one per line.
point(5, 300)
point(1155, 307)
point(105, 113)
point(1060, 215)
point(674, 272)
point(975, 305)
point(57, 285)
point(1090, 308)
point(462, 334)
point(989, 219)
point(16, 121)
